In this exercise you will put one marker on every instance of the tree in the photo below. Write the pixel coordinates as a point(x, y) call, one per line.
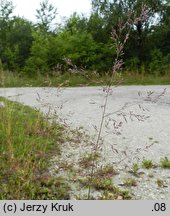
point(20, 38)
point(38, 58)
point(6, 9)
point(76, 23)
point(110, 11)
point(46, 15)
point(96, 26)
point(159, 41)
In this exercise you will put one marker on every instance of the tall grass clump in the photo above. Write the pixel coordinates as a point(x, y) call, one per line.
point(26, 142)
point(119, 37)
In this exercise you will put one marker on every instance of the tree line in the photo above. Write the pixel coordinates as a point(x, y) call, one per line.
point(83, 42)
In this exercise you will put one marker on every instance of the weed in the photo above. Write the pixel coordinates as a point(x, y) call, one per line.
point(119, 41)
point(130, 182)
point(87, 159)
point(105, 172)
point(109, 190)
point(147, 164)
point(103, 184)
point(160, 182)
point(117, 195)
point(165, 163)
point(135, 168)
point(98, 183)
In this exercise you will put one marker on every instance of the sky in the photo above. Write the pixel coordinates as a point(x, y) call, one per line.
point(27, 8)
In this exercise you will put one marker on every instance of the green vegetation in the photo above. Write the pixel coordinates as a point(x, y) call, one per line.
point(85, 43)
point(8, 79)
point(130, 182)
point(105, 172)
point(106, 186)
point(165, 163)
point(79, 52)
point(110, 191)
point(135, 168)
point(87, 160)
point(27, 141)
point(145, 79)
point(147, 164)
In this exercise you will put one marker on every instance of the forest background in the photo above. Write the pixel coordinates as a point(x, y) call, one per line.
point(84, 43)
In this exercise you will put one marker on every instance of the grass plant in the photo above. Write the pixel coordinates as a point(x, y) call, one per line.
point(165, 163)
point(9, 79)
point(27, 141)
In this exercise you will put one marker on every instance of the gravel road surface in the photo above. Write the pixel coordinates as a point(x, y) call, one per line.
point(136, 126)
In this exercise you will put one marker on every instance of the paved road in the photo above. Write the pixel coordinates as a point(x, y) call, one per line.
point(83, 107)
point(137, 123)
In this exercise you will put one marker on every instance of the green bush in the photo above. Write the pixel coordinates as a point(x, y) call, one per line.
point(79, 47)
point(159, 64)
point(37, 62)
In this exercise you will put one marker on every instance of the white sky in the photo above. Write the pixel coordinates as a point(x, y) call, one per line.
point(27, 8)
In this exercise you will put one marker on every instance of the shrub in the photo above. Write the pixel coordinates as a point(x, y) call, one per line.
point(159, 63)
point(37, 62)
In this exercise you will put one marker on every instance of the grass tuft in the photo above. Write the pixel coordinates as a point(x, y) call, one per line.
point(148, 164)
point(27, 141)
point(165, 163)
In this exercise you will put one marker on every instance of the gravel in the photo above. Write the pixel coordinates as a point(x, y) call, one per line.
point(136, 127)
